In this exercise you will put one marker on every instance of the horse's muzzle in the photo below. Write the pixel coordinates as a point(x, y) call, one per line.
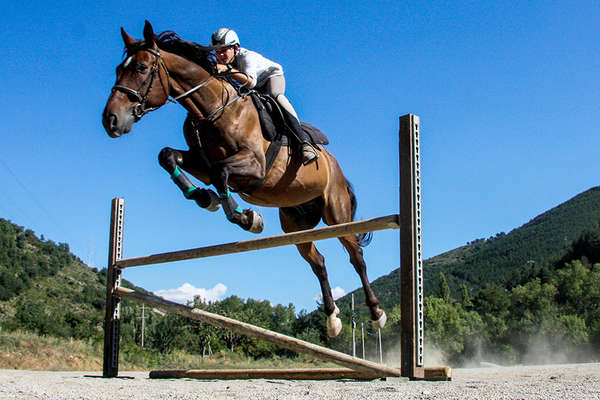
point(115, 124)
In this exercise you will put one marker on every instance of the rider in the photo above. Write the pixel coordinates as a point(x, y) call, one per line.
point(252, 70)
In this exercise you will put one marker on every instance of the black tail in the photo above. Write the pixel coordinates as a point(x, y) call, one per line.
point(363, 239)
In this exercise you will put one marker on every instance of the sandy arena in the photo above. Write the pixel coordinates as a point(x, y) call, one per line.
point(571, 381)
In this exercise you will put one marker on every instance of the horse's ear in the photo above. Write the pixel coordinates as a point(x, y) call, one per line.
point(148, 34)
point(126, 38)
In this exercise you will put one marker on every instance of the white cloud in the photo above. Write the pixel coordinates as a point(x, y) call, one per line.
point(187, 292)
point(336, 292)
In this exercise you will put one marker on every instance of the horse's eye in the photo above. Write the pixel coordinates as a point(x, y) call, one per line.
point(141, 68)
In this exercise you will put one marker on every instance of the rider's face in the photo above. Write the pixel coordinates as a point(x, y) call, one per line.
point(225, 55)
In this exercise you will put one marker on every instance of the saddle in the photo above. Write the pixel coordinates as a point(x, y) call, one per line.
point(274, 122)
point(275, 126)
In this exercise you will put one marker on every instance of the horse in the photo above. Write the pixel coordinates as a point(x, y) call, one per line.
point(227, 150)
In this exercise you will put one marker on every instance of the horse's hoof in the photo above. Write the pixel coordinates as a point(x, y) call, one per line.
point(334, 326)
point(380, 323)
point(215, 203)
point(256, 225)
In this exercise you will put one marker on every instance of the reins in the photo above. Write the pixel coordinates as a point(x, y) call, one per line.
point(140, 110)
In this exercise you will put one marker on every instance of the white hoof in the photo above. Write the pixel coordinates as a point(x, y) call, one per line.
point(215, 203)
point(257, 222)
point(380, 323)
point(334, 326)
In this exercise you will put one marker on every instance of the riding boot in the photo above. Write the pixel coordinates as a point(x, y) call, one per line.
point(309, 154)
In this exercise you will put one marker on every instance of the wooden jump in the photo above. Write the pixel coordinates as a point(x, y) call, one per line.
point(409, 223)
point(310, 235)
point(287, 342)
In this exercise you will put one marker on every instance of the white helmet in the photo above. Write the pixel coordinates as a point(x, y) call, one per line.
point(225, 37)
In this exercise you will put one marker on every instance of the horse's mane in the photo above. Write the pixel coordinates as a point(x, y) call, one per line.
point(171, 42)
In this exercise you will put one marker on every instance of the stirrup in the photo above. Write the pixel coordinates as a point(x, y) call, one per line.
point(309, 154)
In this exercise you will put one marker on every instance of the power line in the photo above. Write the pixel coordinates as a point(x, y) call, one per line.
point(33, 197)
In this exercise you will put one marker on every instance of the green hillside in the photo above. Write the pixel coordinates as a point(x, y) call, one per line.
point(502, 259)
point(46, 289)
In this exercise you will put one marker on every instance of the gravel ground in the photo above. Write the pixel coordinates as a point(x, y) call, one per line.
point(572, 381)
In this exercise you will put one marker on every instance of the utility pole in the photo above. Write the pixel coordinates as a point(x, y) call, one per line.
point(143, 318)
point(353, 329)
point(380, 348)
point(362, 331)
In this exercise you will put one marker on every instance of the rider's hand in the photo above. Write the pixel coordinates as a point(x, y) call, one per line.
point(222, 68)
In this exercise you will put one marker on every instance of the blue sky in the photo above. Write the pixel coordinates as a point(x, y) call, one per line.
point(508, 95)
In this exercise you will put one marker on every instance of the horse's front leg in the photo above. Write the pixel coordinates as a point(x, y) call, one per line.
point(173, 161)
point(245, 164)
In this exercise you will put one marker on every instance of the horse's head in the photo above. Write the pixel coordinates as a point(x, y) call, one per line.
point(142, 84)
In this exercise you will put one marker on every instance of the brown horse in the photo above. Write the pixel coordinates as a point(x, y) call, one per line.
point(227, 150)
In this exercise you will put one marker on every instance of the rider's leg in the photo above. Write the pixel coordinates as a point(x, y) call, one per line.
point(275, 87)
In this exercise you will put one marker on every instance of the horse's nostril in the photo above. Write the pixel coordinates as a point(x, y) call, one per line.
point(112, 121)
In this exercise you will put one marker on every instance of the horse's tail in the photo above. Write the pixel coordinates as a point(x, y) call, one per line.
point(363, 239)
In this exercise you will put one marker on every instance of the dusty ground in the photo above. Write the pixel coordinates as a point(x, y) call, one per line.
point(573, 381)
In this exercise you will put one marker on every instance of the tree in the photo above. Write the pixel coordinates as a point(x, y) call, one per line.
point(450, 327)
point(465, 300)
point(444, 288)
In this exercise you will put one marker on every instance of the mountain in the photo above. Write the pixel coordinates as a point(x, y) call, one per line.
point(46, 289)
point(501, 259)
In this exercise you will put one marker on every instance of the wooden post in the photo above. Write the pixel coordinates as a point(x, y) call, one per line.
point(113, 281)
point(411, 259)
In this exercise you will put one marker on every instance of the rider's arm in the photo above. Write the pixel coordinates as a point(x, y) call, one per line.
point(240, 77)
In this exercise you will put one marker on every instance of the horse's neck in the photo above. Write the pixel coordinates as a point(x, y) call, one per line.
point(186, 75)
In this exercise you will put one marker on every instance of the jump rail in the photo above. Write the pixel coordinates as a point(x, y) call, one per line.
point(310, 235)
point(409, 223)
point(242, 328)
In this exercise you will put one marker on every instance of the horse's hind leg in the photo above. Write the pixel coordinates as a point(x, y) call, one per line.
point(378, 316)
point(338, 209)
point(294, 220)
point(173, 161)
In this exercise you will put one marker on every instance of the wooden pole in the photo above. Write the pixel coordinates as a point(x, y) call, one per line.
point(431, 374)
point(113, 281)
point(334, 231)
point(295, 374)
point(411, 261)
point(256, 332)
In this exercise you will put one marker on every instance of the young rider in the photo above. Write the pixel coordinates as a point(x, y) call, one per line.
point(251, 70)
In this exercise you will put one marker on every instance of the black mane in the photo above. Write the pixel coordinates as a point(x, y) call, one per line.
point(171, 42)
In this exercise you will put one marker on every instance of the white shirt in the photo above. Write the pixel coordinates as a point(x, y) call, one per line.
point(256, 66)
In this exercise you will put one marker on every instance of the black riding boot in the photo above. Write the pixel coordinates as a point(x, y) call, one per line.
point(309, 153)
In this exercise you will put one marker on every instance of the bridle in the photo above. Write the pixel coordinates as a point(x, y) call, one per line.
point(140, 109)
